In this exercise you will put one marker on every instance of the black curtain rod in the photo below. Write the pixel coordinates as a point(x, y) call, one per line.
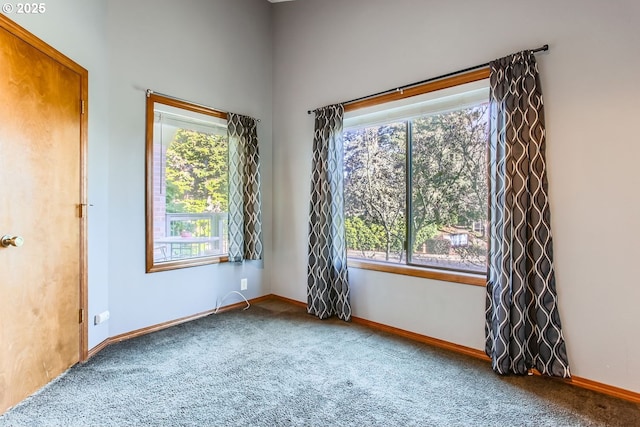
point(444, 76)
point(153, 92)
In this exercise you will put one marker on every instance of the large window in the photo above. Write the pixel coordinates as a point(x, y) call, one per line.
point(187, 184)
point(416, 181)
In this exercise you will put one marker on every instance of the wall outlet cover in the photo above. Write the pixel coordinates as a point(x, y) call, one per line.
point(102, 317)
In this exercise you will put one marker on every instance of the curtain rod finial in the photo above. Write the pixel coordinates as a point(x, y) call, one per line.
point(543, 48)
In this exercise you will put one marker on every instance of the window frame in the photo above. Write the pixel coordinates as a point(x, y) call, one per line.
point(152, 265)
point(410, 269)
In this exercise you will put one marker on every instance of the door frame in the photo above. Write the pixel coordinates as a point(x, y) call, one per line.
point(27, 37)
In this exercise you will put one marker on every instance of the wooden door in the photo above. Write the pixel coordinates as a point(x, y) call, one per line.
point(42, 146)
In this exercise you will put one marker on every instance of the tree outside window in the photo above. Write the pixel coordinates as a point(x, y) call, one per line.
point(416, 190)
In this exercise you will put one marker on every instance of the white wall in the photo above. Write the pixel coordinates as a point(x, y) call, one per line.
point(334, 50)
point(215, 53)
point(63, 25)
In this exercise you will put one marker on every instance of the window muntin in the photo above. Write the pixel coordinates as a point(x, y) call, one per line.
point(187, 184)
point(443, 181)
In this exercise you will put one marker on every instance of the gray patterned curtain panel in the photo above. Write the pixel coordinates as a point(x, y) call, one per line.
point(327, 279)
point(245, 221)
point(522, 321)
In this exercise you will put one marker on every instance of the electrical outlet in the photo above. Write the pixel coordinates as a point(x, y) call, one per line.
point(243, 284)
point(102, 317)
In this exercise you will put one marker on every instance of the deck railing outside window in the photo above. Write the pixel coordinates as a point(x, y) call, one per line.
point(190, 235)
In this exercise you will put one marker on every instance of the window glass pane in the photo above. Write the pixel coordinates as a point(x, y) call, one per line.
point(375, 195)
point(190, 182)
point(449, 189)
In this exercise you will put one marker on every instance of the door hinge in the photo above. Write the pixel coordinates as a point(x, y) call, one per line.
point(81, 316)
point(83, 210)
point(82, 106)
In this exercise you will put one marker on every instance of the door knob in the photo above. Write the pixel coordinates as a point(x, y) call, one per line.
point(8, 240)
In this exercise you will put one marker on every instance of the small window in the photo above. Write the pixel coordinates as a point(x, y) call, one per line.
point(187, 184)
point(416, 180)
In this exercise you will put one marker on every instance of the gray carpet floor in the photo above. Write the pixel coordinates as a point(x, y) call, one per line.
point(275, 365)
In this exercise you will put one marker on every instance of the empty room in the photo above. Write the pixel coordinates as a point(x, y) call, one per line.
point(319, 213)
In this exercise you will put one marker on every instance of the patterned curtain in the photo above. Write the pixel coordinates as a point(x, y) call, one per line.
point(327, 281)
point(522, 321)
point(245, 222)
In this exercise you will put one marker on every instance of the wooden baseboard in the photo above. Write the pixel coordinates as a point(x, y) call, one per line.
point(95, 350)
point(404, 333)
point(610, 390)
point(478, 354)
point(290, 301)
point(160, 326)
point(575, 381)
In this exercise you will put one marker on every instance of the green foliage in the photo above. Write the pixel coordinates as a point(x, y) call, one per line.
point(449, 180)
point(426, 232)
point(449, 168)
point(362, 235)
point(197, 227)
point(196, 173)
